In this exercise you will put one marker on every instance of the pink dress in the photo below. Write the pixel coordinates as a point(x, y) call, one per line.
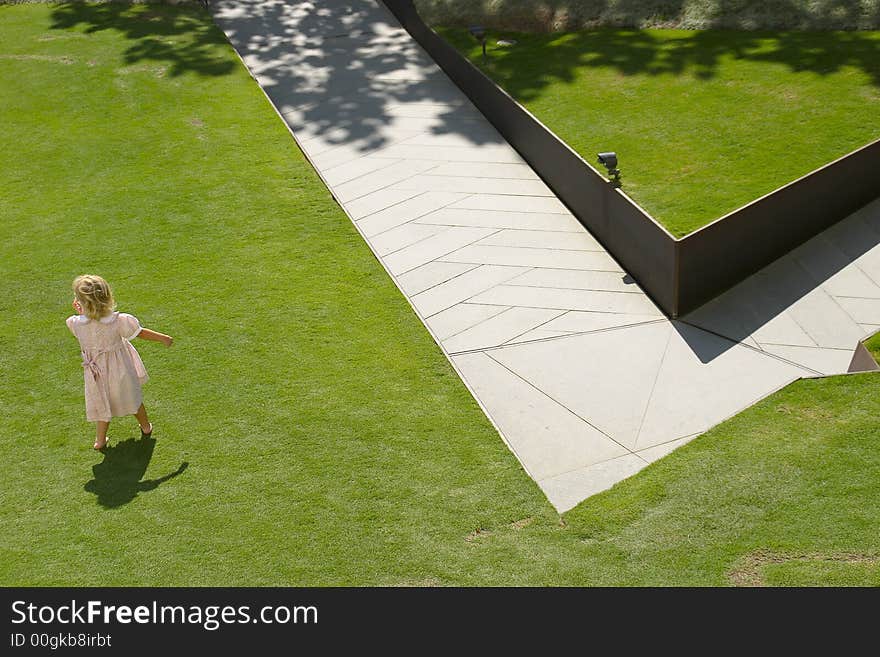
point(113, 369)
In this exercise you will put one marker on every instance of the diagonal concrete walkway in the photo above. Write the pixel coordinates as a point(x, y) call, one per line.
point(583, 376)
point(812, 305)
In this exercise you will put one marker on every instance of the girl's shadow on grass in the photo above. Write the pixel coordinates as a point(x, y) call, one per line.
point(118, 477)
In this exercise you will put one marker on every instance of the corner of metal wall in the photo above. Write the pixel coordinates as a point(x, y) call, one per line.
point(862, 360)
point(675, 311)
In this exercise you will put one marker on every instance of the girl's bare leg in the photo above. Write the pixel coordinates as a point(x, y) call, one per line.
point(101, 434)
point(143, 420)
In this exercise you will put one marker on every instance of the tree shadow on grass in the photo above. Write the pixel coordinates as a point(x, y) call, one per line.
point(184, 37)
point(117, 479)
point(539, 60)
point(568, 15)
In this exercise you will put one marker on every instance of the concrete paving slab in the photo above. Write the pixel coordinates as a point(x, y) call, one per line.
point(291, 96)
point(348, 110)
point(290, 90)
point(473, 129)
point(869, 263)
point(430, 275)
point(486, 170)
point(489, 153)
point(586, 322)
point(546, 437)
point(725, 377)
point(533, 257)
point(427, 109)
point(852, 236)
point(543, 221)
point(461, 317)
point(852, 281)
point(783, 329)
point(607, 377)
point(379, 200)
point(825, 321)
point(587, 300)
point(463, 137)
point(538, 334)
point(331, 73)
point(405, 211)
point(780, 284)
point(398, 238)
point(428, 183)
point(354, 148)
point(462, 288)
point(499, 329)
point(822, 361)
point(733, 314)
point(544, 239)
point(870, 329)
point(433, 248)
point(456, 124)
point(386, 177)
point(790, 302)
point(567, 490)
point(574, 279)
point(391, 126)
point(657, 452)
point(349, 144)
point(517, 204)
point(242, 19)
point(351, 170)
point(830, 267)
point(863, 311)
point(320, 137)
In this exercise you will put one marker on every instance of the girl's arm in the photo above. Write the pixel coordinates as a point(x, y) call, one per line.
point(147, 334)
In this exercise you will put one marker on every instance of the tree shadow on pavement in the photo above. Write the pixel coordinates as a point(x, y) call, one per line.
point(338, 72)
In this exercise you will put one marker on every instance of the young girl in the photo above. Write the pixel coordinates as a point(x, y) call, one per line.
point(113, 368)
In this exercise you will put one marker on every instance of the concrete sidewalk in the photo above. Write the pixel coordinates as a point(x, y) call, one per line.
point(583, 376)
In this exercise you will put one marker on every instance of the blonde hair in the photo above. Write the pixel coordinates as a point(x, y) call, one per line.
point(94, 295)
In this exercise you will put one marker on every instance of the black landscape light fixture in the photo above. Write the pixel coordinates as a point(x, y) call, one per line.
point(609, 161)
point(479, 33)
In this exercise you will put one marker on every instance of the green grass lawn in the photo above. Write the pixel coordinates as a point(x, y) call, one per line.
point(873, 346)
point(308, 430)
point(703, 122)
point(529, 15)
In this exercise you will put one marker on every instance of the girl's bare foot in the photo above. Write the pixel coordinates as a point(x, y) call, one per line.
point(100, 444)
point(146, 433)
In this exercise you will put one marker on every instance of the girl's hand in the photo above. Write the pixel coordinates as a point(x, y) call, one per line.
point(168, 340)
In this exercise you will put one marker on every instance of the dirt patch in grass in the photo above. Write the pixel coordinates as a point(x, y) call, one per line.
point(749, 572)
point(477, 535)
point(66, 36)
point(815, 414)
point(158, 71)
point(58, 59)
point(522, 524)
